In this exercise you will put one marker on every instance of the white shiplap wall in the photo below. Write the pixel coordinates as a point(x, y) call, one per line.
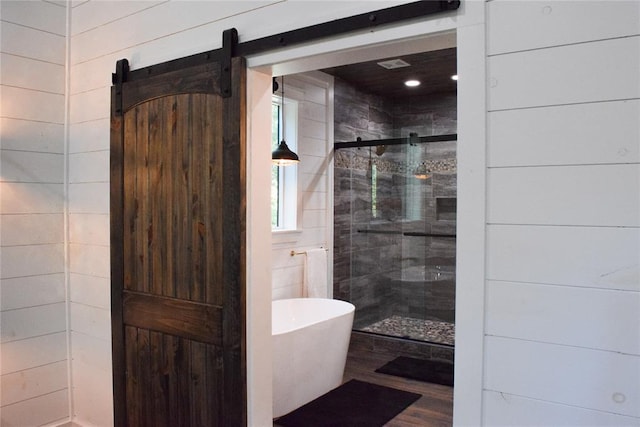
point(33, 338)
point(562, 316)
point(314, 92)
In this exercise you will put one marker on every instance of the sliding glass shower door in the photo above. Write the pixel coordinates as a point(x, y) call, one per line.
point(395, 235)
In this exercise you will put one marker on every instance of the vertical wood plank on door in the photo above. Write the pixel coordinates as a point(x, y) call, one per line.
point(168, 178)
point(132, 375)
point(181, 221)
point(172, 347)
point(130, 205)
point(214, 200)
point(184, 356)
point(156, 202)
point(198, 395)
point(144, 376)
point(198, 198)
point(158, 378)
point(140, 196)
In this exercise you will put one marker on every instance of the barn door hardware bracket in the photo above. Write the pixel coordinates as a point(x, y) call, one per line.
point(229, 44)
point(117, 79)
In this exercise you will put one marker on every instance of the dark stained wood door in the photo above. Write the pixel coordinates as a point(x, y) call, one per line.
point(177, 248)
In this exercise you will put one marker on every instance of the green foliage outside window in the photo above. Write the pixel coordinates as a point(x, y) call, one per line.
point(275, 170)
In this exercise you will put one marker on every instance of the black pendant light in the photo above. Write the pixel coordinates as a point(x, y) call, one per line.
point(283, 156)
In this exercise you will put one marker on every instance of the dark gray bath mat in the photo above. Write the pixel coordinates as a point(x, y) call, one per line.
point(353, 404)
point(428, 371)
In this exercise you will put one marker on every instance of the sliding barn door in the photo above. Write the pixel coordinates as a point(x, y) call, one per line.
point(178, 252)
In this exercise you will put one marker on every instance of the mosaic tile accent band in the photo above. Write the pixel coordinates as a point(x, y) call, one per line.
point(417, 329)
point(346, 160)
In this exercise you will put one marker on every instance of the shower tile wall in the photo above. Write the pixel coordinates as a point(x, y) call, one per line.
point(360, 114)
point(368, 265)
point(358, 259)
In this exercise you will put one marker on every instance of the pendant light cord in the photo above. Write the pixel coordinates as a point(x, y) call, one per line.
point(282, 107)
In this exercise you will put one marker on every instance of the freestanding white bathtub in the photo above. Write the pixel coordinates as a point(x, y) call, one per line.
point(310, 343)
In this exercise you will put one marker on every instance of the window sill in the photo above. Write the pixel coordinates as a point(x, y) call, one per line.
point(281, 237)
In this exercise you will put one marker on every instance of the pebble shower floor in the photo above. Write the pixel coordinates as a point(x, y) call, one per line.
point(417, 329)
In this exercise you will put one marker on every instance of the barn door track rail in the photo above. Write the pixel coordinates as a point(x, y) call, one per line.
point(231, 46)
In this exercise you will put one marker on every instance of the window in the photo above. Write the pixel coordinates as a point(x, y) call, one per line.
point(284, 178)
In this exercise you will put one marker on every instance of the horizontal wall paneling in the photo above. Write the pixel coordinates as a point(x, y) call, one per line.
point(31, 260)
point(91, 321)
point(600, 71)
point(31, 74)
point(92, 398)
point(90, 105)
point(24, 135)
point(503, 409)
point(583, 317)
point(93, 14)
point(26, 42)
point(599, 257)
point(595, 379)
point(165, 19)
point(47, 409)
point(92, 351)
point(89, 229)
point(91, 260)
point(534, 24)
point(31, 322)
point(30, 229)
point(89, 136)
point(90, 290)
point(39, 15)
point(38, 351)
point(33, 105)
point(89, 167)
point(33, 382)
point(594, 133)
point(599, 195)
point(27, 166)
point(31, 291)
point(89, 198)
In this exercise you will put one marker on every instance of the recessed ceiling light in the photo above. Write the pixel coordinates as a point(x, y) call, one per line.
point(412, 83)
point(454, 77)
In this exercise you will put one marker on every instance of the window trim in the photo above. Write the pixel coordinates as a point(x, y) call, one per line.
point(288, 175)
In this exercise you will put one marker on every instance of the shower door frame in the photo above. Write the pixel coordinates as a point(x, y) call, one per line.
point(413, 140)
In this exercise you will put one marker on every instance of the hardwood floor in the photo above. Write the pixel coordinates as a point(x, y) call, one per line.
point(434, 408)
point(368, 352)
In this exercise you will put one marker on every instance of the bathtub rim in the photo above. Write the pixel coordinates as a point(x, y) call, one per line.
point(293, 326)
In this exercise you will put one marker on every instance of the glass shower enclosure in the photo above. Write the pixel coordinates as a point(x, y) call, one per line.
point(395, 235)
